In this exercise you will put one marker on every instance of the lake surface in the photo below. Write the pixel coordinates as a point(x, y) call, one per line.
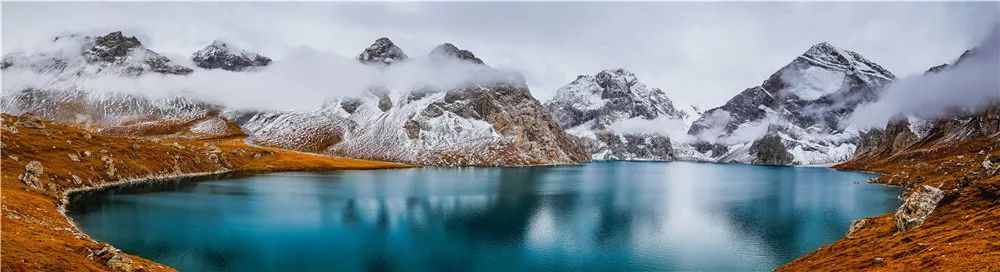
point(599, 217)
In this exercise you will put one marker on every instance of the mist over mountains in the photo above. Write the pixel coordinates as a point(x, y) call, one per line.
point(446, 106)
point(305, 77)
point(968, 83)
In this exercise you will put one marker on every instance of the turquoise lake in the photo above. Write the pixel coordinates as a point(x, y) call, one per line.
point(606, 216)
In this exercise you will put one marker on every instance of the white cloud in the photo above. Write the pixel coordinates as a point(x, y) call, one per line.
point(970, 84)
point(699, 53)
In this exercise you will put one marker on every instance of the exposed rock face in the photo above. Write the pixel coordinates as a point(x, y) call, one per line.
point(896, 136)
point(32, 172)
point(448, 50)
point(917, 207)
point(383, 51)
point(483, 124)
point(770, 150)
point(220, 55)
point(80, 56)
point(808, 100)
point(609, 146)
point(908, 133)
point(601, 109)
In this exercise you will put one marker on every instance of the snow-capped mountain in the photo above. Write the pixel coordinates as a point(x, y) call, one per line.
point(604, 111)
point(77, 56)
point(383, 51)
point(72, 58)
point(494, 123)
point(805, 104)
point(220, 55)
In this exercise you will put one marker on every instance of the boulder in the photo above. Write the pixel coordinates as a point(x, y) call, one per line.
point(109, 164)
point(917, 207)
point(857, 225)
point(32, 171)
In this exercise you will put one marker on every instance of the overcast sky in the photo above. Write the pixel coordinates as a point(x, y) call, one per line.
point(699, 53)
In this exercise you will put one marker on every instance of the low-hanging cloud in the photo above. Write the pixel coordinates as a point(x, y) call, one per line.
point(302, 79)
point(967, 85)
point(699, 53)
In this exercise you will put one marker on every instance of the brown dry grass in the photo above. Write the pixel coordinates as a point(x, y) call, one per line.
point(962, 234)
point(36, 236)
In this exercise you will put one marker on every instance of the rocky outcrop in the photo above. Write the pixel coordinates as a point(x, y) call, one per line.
point(611, 146)
point(903, 134)
point(917, 206)
point(809, 99)
point(894, 138)
point(383, 51)
point(618, 116)
point(770, 150)
point(220, 55)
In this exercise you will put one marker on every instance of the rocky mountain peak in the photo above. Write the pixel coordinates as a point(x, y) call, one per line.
point(613, 80)
point(74, 56)
point(608, 97)
point(383, 51)
point(220, 55)
point(594, 108)
point(829, 56)
point(814, 94)
point(114, 46)
point(452, 51)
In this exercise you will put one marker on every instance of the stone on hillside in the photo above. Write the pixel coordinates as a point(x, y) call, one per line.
point(73, 157)
point(857, 225)
point(114, 258)
point(32, 171)
point(917, 207)
point(109, 164)
point(76, 179)
point(991, 166)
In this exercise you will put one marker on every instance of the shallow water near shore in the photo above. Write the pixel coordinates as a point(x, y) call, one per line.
point(599, 216)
